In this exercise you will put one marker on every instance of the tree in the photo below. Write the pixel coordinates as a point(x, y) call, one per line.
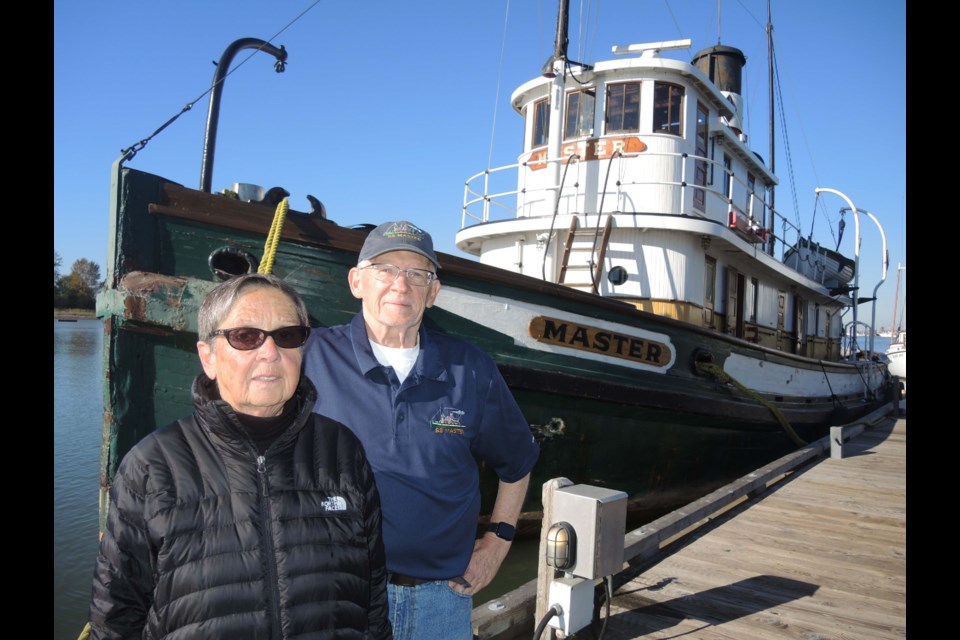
point(79, 289)
point(57, 261)
point(89, 273)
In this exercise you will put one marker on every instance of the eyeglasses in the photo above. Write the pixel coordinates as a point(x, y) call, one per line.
point(385, 272)
point(247, 338)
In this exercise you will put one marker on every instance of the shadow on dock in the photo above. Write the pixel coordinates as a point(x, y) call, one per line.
point(712, 607)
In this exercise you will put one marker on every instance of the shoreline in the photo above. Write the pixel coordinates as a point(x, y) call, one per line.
point(74, 314)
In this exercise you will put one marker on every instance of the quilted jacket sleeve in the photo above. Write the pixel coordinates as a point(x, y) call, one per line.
point(123, 580)
point(380, 627)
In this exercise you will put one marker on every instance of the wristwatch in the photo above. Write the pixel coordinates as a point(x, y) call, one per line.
point(502, 530)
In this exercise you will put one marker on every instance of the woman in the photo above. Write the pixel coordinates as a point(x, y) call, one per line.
point(253, 517)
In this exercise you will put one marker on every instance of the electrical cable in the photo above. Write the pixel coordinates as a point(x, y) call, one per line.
point(555, 610)
point(608, 585)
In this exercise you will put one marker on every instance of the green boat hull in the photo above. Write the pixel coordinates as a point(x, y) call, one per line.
point(664, 438)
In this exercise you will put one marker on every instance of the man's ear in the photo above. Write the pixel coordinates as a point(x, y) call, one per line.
point(432, 294)
point(353, 279)
point(208, 359)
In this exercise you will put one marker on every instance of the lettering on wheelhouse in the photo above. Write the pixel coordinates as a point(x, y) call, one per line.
point(590, 149)
point(600, 341)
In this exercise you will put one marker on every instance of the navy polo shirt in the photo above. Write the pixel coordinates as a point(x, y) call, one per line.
point(423, 438)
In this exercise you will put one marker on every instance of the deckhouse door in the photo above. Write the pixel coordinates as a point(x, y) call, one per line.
point(800, 325)
point(735, 297)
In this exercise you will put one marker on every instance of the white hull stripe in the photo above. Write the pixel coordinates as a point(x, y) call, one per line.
point(520, 320)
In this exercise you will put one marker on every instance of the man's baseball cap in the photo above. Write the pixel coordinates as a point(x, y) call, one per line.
point(398, 236)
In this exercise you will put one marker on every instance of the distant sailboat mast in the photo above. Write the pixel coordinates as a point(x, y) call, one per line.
point(773, 157)
point(894, 329)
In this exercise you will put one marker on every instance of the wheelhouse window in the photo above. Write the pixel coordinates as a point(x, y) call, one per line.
point(668, 108)
point(622, 113)
point(751, 188)
point(541, 122)
point(579, 116)
point(700, 164)
point(727, 175)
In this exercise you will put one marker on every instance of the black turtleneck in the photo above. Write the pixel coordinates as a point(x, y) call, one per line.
point(263, 431)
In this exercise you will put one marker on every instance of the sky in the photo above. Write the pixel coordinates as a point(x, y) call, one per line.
point(386, 108)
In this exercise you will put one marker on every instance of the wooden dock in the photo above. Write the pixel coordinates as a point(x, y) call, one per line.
point(823, 555)
point(819, 553)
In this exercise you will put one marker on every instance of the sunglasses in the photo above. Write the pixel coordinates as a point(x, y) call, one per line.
point(247, 338)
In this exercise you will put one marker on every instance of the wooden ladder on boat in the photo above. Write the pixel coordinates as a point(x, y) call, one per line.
point(584, 242)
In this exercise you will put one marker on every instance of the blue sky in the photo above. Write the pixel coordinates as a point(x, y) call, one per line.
point(387, 107)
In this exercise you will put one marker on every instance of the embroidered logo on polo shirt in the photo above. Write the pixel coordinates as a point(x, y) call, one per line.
point(448, 420)
point(335, 503)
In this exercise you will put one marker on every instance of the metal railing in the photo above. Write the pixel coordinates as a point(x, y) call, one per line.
point(487, 197)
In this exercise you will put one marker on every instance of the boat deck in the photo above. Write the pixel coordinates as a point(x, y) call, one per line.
point(822, 555)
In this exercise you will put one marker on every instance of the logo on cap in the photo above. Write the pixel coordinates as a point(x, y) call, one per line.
point(404, 230)
point(398, 236)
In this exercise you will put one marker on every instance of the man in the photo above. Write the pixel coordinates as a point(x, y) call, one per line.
point(425, 405)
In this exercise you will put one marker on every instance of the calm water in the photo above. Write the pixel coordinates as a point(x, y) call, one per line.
point(78, 417)
point(879, 344)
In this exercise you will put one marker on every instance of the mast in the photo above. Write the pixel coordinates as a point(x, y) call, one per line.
point(562, 39)
point(773, 157)
point(556, 69)
point(894, 330)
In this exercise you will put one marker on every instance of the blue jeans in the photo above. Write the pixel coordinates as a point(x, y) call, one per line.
point(430, 611)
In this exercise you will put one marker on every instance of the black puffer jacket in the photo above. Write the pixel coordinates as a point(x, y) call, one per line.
point(207, 539)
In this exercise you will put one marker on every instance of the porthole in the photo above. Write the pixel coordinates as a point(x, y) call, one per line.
point(617, 276)
point(227, 262)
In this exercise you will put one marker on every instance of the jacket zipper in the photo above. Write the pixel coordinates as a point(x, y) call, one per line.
point(272, 579)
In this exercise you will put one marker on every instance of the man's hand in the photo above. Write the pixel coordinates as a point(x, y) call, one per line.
point(489, 552)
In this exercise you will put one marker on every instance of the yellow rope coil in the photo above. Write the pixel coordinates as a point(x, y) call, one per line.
point(273, 238)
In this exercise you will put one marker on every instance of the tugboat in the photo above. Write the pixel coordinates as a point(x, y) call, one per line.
point(633, 292)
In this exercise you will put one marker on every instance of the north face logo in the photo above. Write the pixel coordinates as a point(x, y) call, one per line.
point(336, 503)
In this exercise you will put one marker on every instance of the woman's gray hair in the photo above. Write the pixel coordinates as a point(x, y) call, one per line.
point(221, 299)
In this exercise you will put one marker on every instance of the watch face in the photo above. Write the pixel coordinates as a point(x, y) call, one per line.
point(502, 530)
